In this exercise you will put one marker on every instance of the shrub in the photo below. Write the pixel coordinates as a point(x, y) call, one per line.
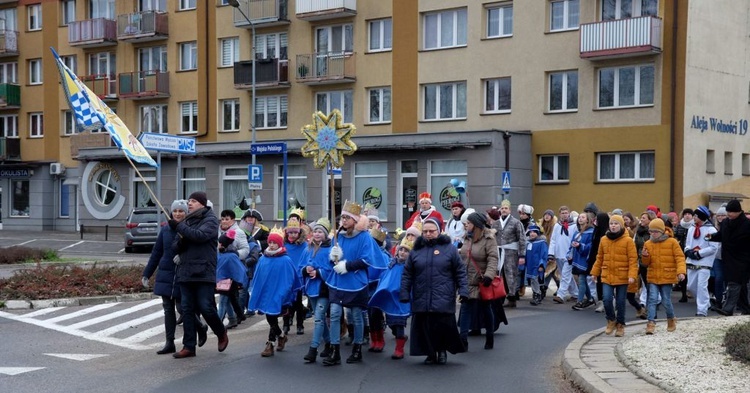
point(20, 254)
point(737, 341)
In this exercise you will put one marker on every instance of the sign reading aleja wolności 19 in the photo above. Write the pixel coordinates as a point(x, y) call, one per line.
point(268, 148)
point(165, 142)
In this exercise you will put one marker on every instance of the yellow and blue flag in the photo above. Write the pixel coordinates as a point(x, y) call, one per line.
point(91, 113)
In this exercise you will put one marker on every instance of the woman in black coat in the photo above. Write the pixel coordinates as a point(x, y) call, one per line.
point(734, 235)
point(432, 276)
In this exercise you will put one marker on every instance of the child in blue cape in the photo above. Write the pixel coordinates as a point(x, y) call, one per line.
point(536, 261)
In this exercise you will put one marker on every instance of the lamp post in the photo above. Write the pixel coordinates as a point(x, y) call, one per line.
point(236, 4)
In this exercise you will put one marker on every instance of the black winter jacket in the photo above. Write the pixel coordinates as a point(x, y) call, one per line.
point(734, 236)
point(162, 257)
point(197, 243)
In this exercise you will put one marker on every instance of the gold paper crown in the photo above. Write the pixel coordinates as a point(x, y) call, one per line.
point(377, 234)
point(405, 243)
point(323, 222)
point(292, 225)
point(353, 208)
point(277, 231)
point(299, 212)
point(505, 203)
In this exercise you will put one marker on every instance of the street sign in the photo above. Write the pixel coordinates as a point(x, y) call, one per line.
point(268, 148)
point(255, 177)
point(255, 186)
point(506, 181)
point(166, 142)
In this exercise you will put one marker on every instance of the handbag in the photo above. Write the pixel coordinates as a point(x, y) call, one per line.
point(224, 285)
point(496, 290)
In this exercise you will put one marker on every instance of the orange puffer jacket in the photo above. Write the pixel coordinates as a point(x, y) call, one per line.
point(616, 260)
point(665, 261)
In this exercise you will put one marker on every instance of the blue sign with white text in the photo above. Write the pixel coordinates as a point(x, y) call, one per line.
point(255, 174)
point(268, 148)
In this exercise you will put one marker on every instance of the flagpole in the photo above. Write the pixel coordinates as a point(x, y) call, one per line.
point(148, 188)
point(333, 208)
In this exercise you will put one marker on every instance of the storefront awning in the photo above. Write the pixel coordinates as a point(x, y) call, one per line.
point(724, 196)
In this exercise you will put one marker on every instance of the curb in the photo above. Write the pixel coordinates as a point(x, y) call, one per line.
point(78, 301)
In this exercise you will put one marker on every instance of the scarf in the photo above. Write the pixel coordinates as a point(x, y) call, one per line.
point(275, 253)
point(686, 224)
point(614, 235)
point(503, 221)
point(660, 238)
point(697, 233)
point(564, 229)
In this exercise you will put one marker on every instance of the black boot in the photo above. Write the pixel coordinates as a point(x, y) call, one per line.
point(489, 341)
point(356, 356)
point(168, 348)
point(326, 351)
point(350, 335)
point(335, 357)
point(312, 354)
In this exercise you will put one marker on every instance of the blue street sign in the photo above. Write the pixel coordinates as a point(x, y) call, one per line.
point(166, 142)
point(268, 148)
point(255, 173)
point(506, 181)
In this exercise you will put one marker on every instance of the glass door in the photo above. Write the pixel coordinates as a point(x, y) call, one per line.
point(408, 190)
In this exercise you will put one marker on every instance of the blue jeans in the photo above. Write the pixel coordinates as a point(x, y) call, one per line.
point(359, 325)
point(666, 300)
point(319, 306)
point(583, 289)
point(618, 293)
point(225, 309)
point(199, 297)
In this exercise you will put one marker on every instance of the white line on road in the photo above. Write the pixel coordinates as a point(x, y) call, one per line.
point(79, 313)
point(129, 324)
point(72, 245)
point(116, 314)
point(42, 311)
point(146, 334)
point(80, 357)
point(26, 242)
point(18, 370)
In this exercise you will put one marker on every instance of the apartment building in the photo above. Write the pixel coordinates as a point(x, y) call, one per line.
point(623, 102)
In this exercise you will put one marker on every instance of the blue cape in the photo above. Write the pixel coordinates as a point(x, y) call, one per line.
point(276, 278)
point(230, 266)
point(321, 263)
point(358, 247)
point(386, 296)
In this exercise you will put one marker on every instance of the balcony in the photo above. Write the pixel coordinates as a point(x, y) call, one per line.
point(313, 10)
point(144, 85)
point(263, 13)
point(10, 96)
point(88, 140)
point(269, 74)
point(10, 149)
point(92, 33)
point(8, 43)
point(143, 26)
point(326, 68)
point(103, 85)
point(621, 38)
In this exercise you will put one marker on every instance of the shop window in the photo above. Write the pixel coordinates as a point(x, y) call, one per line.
point(371, 186)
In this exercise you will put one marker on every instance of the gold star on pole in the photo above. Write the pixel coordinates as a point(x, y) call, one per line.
point(328, 139)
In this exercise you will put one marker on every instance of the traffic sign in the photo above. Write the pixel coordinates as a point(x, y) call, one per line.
point(268, 148)
point(255, 186)
point(166, 142)
point(255, 173)
point(506, 181)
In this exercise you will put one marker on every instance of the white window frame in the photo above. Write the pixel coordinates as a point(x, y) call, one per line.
point(34, 16)
point(155, 56)
point(438, 180)
point(331, 46)
point(279, 189)
point(635, 11)
point(161, 112)
point(68, 123)
point(9, 126)
point(494, 101)
point(9, 72)
point(382, 94)
point(616, 86)
point(456, 103)
point(227, 201)
point(187, 5)
point(67, 12)
point(262, 112)
point(188, 178)
point(279, 48)
point(64, 198)
point(501, 25)
point(556, 168)
point(458, 28)
point(235, 114)
point(565, 105)
point(35, 72)
point(368, 182)
point(71, 62)
point(567, 5)
point(346, 97)
point(636, 169)
point(148, 175)
point(380, 35)
point(36, 125)
point(229, 49)
point(152, 5)
point(188, 56)
point(8, 19)
point(102, 9)
point(189, 112)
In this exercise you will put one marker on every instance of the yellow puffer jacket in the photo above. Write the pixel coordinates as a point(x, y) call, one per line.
point(616, 260)
point(665, 261)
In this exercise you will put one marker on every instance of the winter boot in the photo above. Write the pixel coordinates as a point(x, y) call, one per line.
point(536, 299)
point(326, 351)
point(379, 341)
point(268, 352)
point(650, 327)
point(619, 330)
point(168, 348)
point(335, 357)
point(642, 313)
point(671, 324)
point(489, 341)
point(282, 342)
point(398, 353)
point(366, 334)
point(312, 354)
point(511, 301)
point(356, 356)
point(373, 341)
point(350, 336)
point(610, 327)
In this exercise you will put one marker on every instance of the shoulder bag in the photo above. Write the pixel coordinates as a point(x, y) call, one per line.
point(496, 290)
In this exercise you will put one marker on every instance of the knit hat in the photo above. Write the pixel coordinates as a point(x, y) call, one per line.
point(654, 209)
point(425, 195)
point(534, 228)
point(457, 204)
point(351, 209)
point(465, 216)
point(478, 220)
point(179, 204)
point(657, 225)
point(734, 206)
point(619, 219)
point(415, 229)
point(722, 211)
point(435, 221)
point(200, 197)
point(550, 212)
point(591, 208)
point(494, 213)
point(322, 224)
point(526, 209)
point(702, 213)
point(372, 214)
point(276, 236)
point(617, 211)
point(227, 238)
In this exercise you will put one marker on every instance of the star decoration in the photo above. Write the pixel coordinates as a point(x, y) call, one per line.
point(328, 140)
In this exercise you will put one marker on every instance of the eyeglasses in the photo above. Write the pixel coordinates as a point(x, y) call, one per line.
point(429, 230)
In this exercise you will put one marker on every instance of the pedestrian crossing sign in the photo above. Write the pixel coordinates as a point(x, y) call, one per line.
point(506, 181)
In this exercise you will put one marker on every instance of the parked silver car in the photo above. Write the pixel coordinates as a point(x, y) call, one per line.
point(141, 229)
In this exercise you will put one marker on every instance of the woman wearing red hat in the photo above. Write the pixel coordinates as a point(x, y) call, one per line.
point(426, 210)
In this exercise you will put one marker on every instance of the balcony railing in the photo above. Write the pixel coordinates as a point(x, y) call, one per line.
point(269, 73)
point(91, 33)
point(103, 85)
point(262, 13)
point(8, 43)
point(622, 37)
point(10, 149)
point(143, 26)
point(144, 84)
point(326, 67)
point(10, 96)
point(312, 10)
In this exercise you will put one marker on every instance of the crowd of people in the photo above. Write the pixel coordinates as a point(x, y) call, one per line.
point(359, 279)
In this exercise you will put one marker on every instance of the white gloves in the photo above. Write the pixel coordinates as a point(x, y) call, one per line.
point(176, 259)
point(340, 267)
point(144, 282)
point(336, 253)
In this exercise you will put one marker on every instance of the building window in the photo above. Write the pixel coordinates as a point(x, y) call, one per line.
point(626, 86)
point(70, 62)
point(141, 196)
point(341, 100)
point(371, 186)
point(230, 115)
point(563, 91)
point(187, 5)
point(154, 58)
point(35, 16)
point(152, 5)
point(500, 21)
point(497, 95)
point(9, 126)
point(443, 193)
point(271, 112)
point(234, 190)
point(334, 39)
point(271, 46)
point(103, 63)
point(193, 179)
point(296, 188)
point(35, 72)
point(68, 123)
point(36, 125)
point(102, 9)
point(445, 101)
point(564, 15)
point(621, 9)
point(106, 187)
point(8, 18)
point(154, 118)
point(444, 29)
point(67, 11)
point(189, 116)
point(20, 202)
point(230, 51)
point(188, 56)
point(64, 200)
point(9, 72)
point(745, 164)
point(728, 170)
point(710, 161)
point(629, 166)
point(380, 105)
point(381, 35)
point(554, 169)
